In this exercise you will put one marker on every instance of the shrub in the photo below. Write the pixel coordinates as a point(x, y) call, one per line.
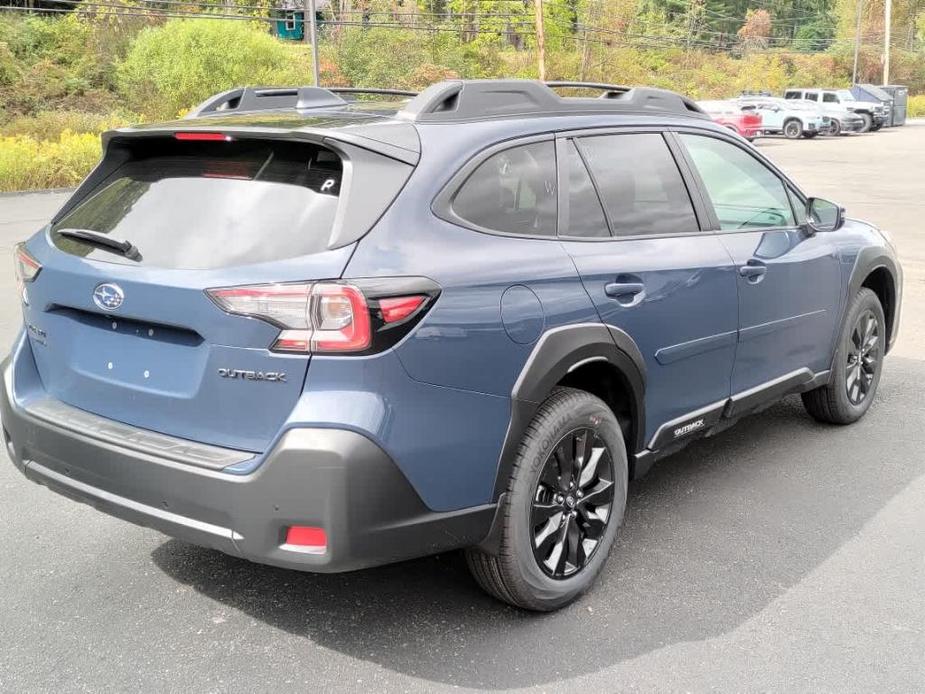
point(27, 163)
point(49, 125)
point(916, 106)
point(173, 67)
point(378, 57)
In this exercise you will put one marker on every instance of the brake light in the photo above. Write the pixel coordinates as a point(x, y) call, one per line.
point(203, 137)
point(322, 317)
point(365, 316)
point(398, 308)
point(26, 269)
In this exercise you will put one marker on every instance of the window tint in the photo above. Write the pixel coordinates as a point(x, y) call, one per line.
point(745, 193)
point(812, 97)
point(640, 184)
point(793, 95)
point(198, 205)
point(830, 98)
point(513, 191)
point(585, 215)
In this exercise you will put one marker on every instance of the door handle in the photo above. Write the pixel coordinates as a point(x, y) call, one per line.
point(753, 271)
point(623, 290)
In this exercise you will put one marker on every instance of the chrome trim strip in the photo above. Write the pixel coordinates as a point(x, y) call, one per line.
point(114, 499)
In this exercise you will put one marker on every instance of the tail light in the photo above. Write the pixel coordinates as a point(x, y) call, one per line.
point(26, 268)
point(333, 317)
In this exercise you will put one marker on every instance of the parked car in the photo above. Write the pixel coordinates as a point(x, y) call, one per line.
point(872, 114)
point(730, 115)
point(790, 118)
point(328, 335)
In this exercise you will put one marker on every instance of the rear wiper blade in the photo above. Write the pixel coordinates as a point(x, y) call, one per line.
point(103, 242)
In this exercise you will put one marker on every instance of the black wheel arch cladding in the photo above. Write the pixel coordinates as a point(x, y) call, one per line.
point(556, 353)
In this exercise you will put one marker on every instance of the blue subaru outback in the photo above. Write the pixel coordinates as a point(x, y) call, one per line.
point(326, 333)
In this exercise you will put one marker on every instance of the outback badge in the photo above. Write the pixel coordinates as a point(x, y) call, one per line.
point(247, 375)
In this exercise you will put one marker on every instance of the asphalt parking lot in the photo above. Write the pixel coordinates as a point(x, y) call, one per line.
point(781, 555)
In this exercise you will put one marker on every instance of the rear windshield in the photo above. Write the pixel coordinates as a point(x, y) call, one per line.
point(200, 205)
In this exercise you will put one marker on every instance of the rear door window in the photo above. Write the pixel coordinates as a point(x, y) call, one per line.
point(512, 191)
point(201, 205)
point(585, 214)
point(639, 183)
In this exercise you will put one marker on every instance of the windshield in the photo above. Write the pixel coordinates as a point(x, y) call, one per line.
point(845, 95)
point(201, 205)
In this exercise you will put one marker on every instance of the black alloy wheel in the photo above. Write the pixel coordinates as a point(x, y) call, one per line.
point(863, 357)
point(572, 503)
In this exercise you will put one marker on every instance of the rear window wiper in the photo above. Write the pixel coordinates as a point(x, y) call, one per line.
point(103, 242)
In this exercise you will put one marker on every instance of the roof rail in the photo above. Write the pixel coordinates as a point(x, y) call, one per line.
point(616, 88)
point(459, 100)
point(363, 90)
point(264, 98)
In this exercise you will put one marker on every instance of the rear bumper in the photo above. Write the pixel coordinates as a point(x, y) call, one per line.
point(331, 478)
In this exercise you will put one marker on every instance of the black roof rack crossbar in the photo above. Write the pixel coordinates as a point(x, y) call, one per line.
point(460, 100)
point(243, 99)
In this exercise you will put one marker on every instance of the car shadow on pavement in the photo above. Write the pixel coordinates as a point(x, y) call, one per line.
point(712, 536)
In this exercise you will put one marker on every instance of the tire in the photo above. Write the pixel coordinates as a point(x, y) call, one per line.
point(868, 122)
point(835, 129)
point(793, 129)
point(525, 577)
point(875, 127)
point(855, 372)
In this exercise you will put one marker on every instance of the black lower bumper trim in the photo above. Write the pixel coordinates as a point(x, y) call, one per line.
point(330, 478)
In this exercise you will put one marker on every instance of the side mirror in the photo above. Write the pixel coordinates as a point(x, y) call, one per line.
point(822, 215)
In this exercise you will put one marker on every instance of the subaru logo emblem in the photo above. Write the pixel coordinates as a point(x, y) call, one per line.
point(108, 296)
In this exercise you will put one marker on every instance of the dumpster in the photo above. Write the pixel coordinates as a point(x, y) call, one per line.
point(900, 96)
point(870, 92)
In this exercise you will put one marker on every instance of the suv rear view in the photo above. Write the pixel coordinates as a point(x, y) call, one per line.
point(327, 335)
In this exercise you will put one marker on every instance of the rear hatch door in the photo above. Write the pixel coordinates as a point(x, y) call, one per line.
point(134, 336)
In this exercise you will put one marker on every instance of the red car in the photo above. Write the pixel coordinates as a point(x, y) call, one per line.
point(731, 115)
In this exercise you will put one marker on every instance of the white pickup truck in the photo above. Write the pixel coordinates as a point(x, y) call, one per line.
point(871, 113)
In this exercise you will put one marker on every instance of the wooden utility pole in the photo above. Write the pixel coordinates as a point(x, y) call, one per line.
point(310, 22)
point(857, 45)
point(540, 40)
point(887, 21)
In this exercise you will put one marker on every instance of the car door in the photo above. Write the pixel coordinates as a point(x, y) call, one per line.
point(772, 116)
point(788, 277)
point(631, 226)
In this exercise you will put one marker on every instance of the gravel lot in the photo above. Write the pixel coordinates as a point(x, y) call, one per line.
point(781, 555)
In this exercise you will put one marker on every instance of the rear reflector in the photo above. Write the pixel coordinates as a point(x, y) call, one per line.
point(399, 308)
point(307, 538)
point(203, 137)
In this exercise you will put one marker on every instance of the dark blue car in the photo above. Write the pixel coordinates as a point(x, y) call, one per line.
point(326, 333)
